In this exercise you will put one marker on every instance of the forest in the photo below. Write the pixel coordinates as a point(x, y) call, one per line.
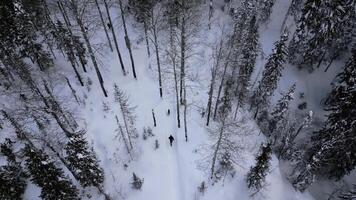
point(177, 99)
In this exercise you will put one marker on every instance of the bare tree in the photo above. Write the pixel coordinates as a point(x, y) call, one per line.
point(114, 37)
point(217, 55)
point(127, 39)
point(104, 24)
point(79, 20)
point(172, 53)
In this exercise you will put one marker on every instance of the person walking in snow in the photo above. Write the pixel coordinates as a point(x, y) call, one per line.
point(171, 139)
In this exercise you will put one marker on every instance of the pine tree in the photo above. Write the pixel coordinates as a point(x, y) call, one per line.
point(323, 32)
point(341, 158)
point(270, 76)
point(280, 110)
point(20, 35)
point(350, 195)
point(265, 7)
point(12, 176)
point(334, 145)
point(83, 161)
point(46, 175)
point(247, 61)
point(128, 114)
point(256, 176)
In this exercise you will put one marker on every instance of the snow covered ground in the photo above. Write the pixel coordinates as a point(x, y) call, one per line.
point(173, 173)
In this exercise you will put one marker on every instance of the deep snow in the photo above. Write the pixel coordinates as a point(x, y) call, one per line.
point(172, 172)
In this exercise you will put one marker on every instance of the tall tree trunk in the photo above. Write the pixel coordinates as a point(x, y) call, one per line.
point(58, 109)
point(182, 50)
point(173, 57)
point(221, 84)
point(154, 29)
point(123, 135)
point(212, 83)
point(72, 90)
point(210, 13)
point(216, 151)
point(114, 37)
point(91, 52)
point(127, 39)
point(20, 132)
point(185, 114)
point(75, 70)
point(154, 118)
point(104, 25)
point(147, 43)
point(126, 127)
point(69, 27)
point(286, 17)
point(331, 61)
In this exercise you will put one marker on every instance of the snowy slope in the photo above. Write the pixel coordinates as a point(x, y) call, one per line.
point(174, 173)
point(171, 172)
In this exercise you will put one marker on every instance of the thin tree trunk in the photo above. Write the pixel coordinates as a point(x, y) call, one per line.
point(114, 37)
point(286, 17)
point(76, 71)
point(212, 83)
point(321, 59)
point(127, 40)
point(331, 61)
point(57, 108)
point(147, 43)
point(157, 55)
point(104, 25)
point(126, 127)
point(173, 55)
point(212, 170)
point(20, 133)
point(154, 118)
point(72, 90)
point(210, 13)
point(91, 52)
point(182, 64)
point(185, 115)
point(68, 25)
point(123, 135)
point(221, 84)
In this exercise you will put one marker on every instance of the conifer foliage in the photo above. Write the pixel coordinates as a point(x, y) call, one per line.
point(48, 176)
point(334, 145)
point(82, 160)
point(270, 75)
point(256, 176)
point(12, 176)
point(324, 31)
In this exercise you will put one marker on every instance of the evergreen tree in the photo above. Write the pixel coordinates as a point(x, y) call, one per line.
point(82, 160)
point(350, 195)
point(324, 30)
point(12, 177)
point(128, 114)
point(46, 175)
point(334, 145)
point(265, 9)
point(341, 157)
point(256, 176)
point(20, 35)
point(270, 76)
point(247, 60)
point(280, 110)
